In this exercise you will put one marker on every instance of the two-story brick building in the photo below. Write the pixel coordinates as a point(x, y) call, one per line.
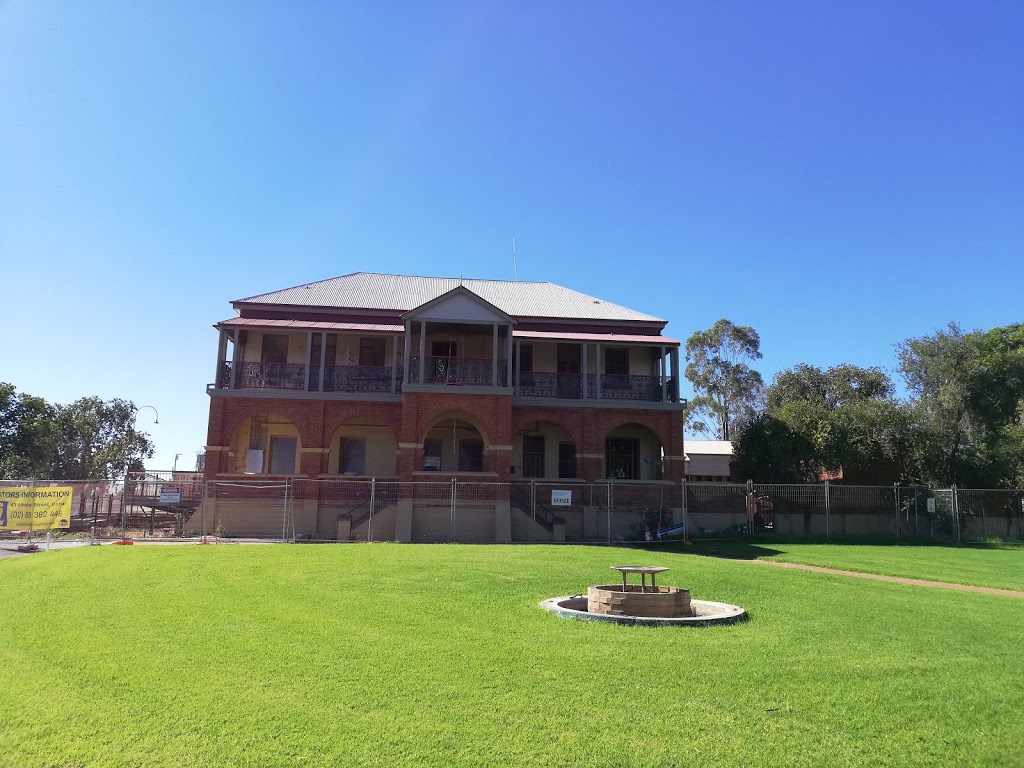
point(417, 379)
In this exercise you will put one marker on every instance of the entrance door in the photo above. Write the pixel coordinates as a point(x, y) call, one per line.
point(622, 458)
point(533, 456)
point(569, 379)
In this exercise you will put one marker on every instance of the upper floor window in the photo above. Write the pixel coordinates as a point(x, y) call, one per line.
point(371, 351)
point(275, 348)
point(616, 361)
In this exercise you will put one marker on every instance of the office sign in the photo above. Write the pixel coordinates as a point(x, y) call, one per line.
point(561, 498)
point(35, 509)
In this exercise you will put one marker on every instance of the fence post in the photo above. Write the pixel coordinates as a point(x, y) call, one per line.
point(686, 527)
point(124, 507)
point(533, 511)
point(608, 504)
point(916, 531)
point(750, 508)
point(202, 514)
point(827, 511)
point(896, 499)
point(956, 515)
point(454, 484)
point(373, 499)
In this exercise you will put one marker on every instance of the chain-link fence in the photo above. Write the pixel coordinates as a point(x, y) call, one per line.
point(185, 504)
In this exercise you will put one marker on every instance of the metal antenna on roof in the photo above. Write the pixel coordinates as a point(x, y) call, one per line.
point(515, 263)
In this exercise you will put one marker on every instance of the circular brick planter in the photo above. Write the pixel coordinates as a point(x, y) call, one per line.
point(633, 600)
point(703, 613)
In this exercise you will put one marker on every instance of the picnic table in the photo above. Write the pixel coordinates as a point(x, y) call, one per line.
point(643, 570)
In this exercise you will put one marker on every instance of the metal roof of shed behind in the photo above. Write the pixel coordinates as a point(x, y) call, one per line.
point(367, 290)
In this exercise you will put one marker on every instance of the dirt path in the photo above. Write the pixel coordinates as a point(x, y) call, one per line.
point(893, 579)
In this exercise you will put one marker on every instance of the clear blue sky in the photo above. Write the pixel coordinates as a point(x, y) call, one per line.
point(841, 176)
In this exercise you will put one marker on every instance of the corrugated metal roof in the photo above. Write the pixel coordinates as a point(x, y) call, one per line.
point(621, 338)
point(366, 290)
point(252, 322)
point(709, 447)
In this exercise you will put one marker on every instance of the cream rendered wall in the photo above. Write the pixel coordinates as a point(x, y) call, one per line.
point(545, 357)
point(449, 447)
point(253, 349)
point(381, 448)
point(468, 345)
point(553, 435)
point(276, 427)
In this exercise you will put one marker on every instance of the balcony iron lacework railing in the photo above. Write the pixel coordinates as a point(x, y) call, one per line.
point(337, 378)
point(444, 370)
point(457, 370)
point(613, 386)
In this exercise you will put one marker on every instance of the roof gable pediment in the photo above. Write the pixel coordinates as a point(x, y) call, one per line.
point(459, 305)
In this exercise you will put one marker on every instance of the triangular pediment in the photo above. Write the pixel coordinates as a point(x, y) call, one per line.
point(459, 305)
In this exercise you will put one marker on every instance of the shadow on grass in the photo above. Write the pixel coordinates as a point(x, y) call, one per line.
point(759, 547)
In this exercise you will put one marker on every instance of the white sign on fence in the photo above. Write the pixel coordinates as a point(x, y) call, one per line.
point(170, 496)
point(561, 498)
point(931, 506)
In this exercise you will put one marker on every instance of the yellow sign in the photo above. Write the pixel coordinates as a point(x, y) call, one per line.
point(35, 509)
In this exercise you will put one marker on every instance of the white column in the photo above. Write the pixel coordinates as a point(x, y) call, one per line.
point(508, 358)
point(519, 368)
point(494, 354)
point(394, 364)
point(405, 352)
point(323, 359)
point(309, 357)
point(222, 353)
point(583, 364)
point(423, 349)
point(597, 367)
point(664, 378)
point(236, 358)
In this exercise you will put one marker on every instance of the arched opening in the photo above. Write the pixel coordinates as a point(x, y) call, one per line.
point(453, 444)
point(265, 445)
point(363, 445)
point(544, 449)
point(633, 452)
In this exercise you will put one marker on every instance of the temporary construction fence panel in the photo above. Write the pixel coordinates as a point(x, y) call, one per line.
point(989, 512)
point(246, 509)
point(716, 510)
point(95, 506)
point(465, 510)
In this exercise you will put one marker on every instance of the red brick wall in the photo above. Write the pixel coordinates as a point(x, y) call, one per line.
point(493, 415)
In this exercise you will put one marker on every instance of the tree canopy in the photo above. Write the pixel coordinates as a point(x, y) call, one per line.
point(728, 392)
point(88, 439)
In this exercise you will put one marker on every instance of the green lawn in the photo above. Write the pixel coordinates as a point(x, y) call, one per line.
point(983, 565)
point(438, 655)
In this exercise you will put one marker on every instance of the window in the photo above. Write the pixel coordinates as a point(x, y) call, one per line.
point(275, 348)
point(371, 352)
point(471, 456)
point(431, 454)
point(616, 361)
point(567, 459)
point(282, 455)
point(526, 358)
point(533, 456)
point(352, 456)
